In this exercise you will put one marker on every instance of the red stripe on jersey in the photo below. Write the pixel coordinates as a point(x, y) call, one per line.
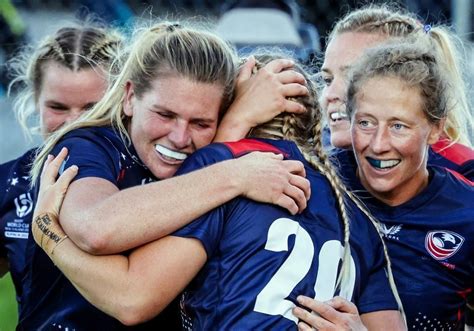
point(461, 177)
point(456, 153)
point(245, 146)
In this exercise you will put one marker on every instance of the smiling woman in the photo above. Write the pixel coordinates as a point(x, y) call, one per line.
point(173, 87)
point(391, 135)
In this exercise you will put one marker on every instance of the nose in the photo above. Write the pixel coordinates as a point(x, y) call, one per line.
point(180, 135)
point(381, 140)
point(335, 91)
point(73, 115)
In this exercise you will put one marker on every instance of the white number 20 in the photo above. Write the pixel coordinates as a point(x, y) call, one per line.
point(271, 300)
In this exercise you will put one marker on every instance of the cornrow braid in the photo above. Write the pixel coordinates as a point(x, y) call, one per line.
point(74, 47)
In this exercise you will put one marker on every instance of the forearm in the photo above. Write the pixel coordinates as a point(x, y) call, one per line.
point(232, 127)
point(129, 288)
point(135, 216)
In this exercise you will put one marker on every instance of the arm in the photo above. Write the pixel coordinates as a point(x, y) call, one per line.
point(131, 288)
point(104, 220)
point(261, 97)
point(340, 314)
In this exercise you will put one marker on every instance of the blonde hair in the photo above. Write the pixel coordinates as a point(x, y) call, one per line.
point(74, 47)
point(306, 131)
point(394, 22)
point(415, 64)
point(159, 50)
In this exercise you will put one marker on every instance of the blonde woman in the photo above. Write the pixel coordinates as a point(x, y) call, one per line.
point(398, 101)
point(246, 262)
point(173, 88)
point(58, 80)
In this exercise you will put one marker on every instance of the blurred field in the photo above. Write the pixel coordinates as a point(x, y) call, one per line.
point(8, 308)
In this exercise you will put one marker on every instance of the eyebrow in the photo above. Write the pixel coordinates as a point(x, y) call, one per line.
point(197, 119)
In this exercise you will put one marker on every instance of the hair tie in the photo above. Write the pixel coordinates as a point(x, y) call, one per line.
point(427, 28)
point(173, 27)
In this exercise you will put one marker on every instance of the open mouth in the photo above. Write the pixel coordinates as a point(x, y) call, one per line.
point(338, 116)
point(382, 164)
point(169, 154)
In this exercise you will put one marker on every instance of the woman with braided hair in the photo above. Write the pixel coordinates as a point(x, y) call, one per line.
point(398, 101)
point(371, 26)
point(59, 79)
point(249, 260)
point(172, 89)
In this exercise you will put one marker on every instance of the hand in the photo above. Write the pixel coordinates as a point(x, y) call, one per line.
point(45, 226)
point(335, 314)
point(266, 177)
point(262, 96)
point(51, 192)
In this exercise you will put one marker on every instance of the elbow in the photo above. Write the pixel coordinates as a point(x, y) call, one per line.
point(91, 238)
point(133, 313)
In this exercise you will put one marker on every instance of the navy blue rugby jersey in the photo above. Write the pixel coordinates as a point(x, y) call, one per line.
point(430, 241)
point(457, 157)
point(51, 302)
point(16, 211)
point(260, 257)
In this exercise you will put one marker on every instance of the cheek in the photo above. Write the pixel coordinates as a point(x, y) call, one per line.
point(201, 139)
point(50, 120)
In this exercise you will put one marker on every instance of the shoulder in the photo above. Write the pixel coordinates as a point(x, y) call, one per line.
point(455, 156)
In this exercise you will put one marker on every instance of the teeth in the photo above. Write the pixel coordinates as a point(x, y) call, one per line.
point(168, 153)
point(383, 164)
point(339, 115)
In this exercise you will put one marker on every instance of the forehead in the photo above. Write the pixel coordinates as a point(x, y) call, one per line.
point(184, 96)
point(345, 48)
point(387, 97)
point(62, 84)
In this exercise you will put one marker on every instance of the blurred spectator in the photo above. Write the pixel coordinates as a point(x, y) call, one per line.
point(13, 35)
point(249, 24)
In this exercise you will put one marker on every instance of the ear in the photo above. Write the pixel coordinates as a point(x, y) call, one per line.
point(436, 132)
point(129, 99)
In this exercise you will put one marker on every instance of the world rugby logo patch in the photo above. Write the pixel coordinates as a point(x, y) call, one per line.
point(443, 244)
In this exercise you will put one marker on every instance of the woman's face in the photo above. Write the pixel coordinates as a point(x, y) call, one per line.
point(171, 120)
point(391, 135)
point(342, 51)
point(66, 94)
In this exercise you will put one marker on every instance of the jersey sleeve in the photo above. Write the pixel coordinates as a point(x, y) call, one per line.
point(376, 293)
point(207, 228)
point(93, 158)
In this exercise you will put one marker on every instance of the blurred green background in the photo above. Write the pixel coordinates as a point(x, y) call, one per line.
point(8, 308)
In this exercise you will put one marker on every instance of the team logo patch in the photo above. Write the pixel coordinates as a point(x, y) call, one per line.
point(443, 244)
point(24, 205)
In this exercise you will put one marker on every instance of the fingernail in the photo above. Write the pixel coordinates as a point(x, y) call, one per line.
point(74, 167)
point(49, 157)
point(300, 298)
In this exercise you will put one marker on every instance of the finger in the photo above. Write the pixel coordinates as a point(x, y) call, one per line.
point(297, 195)
point(66, 177)
point(279, 65)
point(51, 171)
point(46, 163)
point(291, 76)
point(301, 183)
point(294, 90)
point(295, 167)
point(302, 326)
point(312, 319)
point(326, 312)
point(246, 70)
point(342, 305)
point(294, 107)
point(286, 202)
